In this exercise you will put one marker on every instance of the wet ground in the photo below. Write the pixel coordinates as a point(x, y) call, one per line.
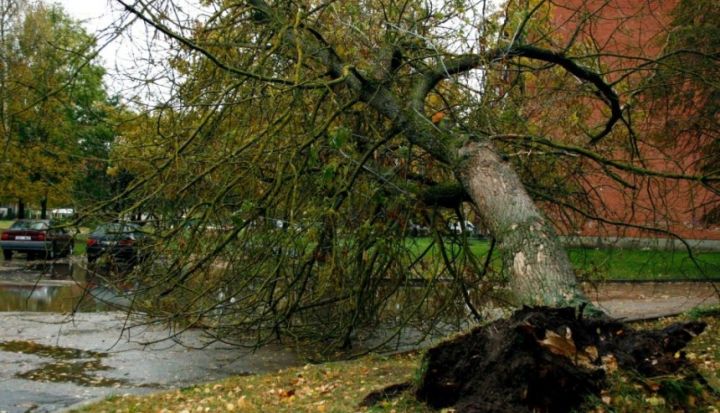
point(54, 286)
point(52, 357)
point(65, 339)
point(52, 360)
point(636, 301)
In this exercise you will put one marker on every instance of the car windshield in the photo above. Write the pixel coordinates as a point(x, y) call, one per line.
point(116, 228)
point(36, 225)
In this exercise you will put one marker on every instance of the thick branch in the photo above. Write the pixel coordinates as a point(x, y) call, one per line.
point(413, 124)
point(447, 195)
point(706, 180)
point(465, 63)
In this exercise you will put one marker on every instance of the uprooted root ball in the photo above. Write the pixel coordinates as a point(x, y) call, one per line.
point(544, 360)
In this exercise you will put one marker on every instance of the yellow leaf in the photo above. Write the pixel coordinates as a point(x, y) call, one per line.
point(609, 363)
point(655, 401)
point(435, 101)
point(558, 344)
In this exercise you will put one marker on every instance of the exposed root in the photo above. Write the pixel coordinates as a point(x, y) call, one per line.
point(542, 360)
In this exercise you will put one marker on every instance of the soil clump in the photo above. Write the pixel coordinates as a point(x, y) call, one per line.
point(542, 359)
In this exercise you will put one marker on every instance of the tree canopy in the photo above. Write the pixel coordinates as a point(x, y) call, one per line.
point(53, 104)
point(303, 141)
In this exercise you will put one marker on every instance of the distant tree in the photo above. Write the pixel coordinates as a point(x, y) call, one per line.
point(52, 103)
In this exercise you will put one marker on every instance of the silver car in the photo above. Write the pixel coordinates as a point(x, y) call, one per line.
point(35, 237)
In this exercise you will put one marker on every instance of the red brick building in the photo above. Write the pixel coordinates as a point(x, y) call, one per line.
point(628, 34)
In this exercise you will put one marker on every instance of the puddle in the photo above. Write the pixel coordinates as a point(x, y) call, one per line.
point(54, 286)
point(77, 372)
point(64, 298)
point(51, 269)
point(59, 345)
point(70, 365)
point(41, 350)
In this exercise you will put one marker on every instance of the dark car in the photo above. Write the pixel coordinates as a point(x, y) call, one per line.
point(36, 237)
point(120, 241)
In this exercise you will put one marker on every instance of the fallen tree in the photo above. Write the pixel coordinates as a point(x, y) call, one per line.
point(339, 120)
point(304, 138)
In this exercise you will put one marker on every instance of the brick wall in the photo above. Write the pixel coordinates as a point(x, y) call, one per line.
point(638, 28)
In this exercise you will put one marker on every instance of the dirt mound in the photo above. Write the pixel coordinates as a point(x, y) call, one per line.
point(543, 360)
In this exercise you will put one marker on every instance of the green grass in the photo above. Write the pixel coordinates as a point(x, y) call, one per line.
point(627, 264)
point(80, 245)
point(615, 263)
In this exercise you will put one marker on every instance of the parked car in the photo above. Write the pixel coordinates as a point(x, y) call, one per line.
point(120, 241)
point(417, 230)
point(456, 227)
point(36, 237)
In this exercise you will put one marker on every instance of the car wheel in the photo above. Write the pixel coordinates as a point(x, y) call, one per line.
point(7, 254)
point(50, 254)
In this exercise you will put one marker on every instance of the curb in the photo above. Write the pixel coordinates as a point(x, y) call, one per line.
point(84, 403)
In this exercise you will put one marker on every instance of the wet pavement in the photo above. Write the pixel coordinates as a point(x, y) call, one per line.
point(637, 301)
point(63, 341)
point(53, 360)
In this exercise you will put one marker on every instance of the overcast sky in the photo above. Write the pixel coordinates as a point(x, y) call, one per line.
point(95, 15)
point(127, 54)
point(126, 57)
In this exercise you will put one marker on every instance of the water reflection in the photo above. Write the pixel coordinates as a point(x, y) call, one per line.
point(55, 286)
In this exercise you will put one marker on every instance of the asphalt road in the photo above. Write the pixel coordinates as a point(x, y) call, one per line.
point(52, 357)
point(42, 369)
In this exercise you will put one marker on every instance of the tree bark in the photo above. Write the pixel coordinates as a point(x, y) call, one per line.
point(538, 267)
point(43, 208)
point(21, 209)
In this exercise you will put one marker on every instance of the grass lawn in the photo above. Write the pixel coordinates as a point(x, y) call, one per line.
point(340, 386)
point(80, 244)
point(331, 387)
point(625, 264)
point(619, 264)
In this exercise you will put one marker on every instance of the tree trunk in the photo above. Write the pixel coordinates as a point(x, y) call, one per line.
point(43, 208)
point(539, 269)
point(21, 209)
